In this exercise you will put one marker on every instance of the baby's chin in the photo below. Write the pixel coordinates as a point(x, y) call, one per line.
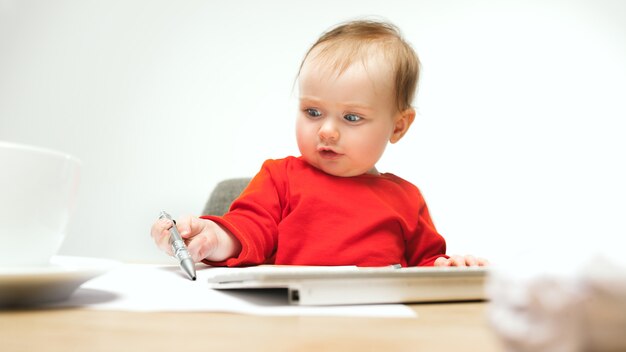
point(342, 172)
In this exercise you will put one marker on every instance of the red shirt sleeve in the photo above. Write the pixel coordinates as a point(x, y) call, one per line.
point(427, 244)
point(253, 219)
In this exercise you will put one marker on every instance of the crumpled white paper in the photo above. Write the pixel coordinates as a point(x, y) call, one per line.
point(571, 303)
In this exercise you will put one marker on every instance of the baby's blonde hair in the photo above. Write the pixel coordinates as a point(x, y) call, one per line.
point(351, 41)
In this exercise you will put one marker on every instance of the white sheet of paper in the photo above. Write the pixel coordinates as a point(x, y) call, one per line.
point(148, 288)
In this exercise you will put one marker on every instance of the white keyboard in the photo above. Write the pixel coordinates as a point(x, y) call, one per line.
point(322, 285)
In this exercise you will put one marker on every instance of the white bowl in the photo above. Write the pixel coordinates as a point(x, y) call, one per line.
point(38, 189)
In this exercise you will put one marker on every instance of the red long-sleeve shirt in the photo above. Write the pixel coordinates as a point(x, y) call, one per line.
point(293, 213)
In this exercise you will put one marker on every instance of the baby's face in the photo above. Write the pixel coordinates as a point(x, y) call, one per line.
point(345, 122)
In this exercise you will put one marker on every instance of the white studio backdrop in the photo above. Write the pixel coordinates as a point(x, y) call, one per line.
point(518, 142)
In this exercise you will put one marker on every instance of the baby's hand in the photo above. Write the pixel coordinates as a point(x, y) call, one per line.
point(204, 238)
point(459, 260)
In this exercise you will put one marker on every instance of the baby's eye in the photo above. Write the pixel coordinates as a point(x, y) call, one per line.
point(313, 112)
point(352, 117)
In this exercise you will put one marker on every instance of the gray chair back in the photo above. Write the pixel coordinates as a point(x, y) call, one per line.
point(224, 194)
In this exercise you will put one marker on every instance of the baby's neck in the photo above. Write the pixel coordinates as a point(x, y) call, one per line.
point(373, 171)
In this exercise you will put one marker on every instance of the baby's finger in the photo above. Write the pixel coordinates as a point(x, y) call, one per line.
point(457, 260)
point(470, 260)
point(158, 227)
point(482, 262)
point(161, 235)
point(442, 261)
point(188, 226)
point(191, 226)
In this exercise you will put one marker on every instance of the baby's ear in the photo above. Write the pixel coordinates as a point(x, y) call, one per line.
point(403, 121)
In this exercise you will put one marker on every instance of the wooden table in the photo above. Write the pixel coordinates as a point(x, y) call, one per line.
point(438, 327)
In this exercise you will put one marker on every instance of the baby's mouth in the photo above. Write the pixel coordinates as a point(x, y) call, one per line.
point(327, 153)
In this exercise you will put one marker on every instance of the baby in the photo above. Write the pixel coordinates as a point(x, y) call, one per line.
point(331, 206)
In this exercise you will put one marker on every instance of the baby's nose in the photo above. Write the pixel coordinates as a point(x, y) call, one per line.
point(328, 131)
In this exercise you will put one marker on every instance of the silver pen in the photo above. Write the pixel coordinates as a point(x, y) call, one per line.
point(179, 249)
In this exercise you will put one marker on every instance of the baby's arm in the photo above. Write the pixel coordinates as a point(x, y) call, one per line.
point(204, 238)
point(459, 260)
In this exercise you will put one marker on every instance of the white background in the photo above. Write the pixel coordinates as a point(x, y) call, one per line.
point(518, 143)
